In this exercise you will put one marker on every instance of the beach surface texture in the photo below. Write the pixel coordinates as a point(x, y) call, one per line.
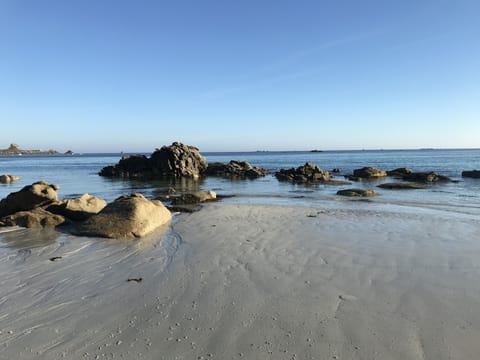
point(249, 281)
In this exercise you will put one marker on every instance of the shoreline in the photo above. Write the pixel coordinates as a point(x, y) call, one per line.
point(250, 281)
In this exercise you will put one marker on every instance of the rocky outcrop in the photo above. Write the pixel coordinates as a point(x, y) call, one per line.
point(14, 149)
point(36, 218)
point(194, 198)
point(174, 161)
point(32, 196)
point(127, 217)
point(308, 173)
point(471, 174)
point(426, 177)
point(400, 172)
point(78, 209)
point(7, 179)
point(402, 186)
point(368, 173)
point(358, 192)
point(235, 169)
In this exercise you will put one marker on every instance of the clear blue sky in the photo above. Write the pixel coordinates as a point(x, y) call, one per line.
point(111, 75)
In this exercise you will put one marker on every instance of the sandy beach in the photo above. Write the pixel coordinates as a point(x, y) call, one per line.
point(249, 281)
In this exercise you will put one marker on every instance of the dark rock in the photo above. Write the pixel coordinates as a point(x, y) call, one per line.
point(369, 173)
point(78, 209)
point(402, 186)
point(358, 192)
point(235, 169)
point(400, 172)
point(38, 194)
point(191, 208)
point(194, 198)
point(127, 217)
point(471, 174)
point(36, 218)
point(7, 179)
point(426, 177)
point(134, 166)
point(336, 171)
point(308, 173)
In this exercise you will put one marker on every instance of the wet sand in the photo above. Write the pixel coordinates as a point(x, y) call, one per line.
point(253, 282)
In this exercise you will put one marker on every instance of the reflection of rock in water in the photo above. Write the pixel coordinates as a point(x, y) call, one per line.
point(25, 239)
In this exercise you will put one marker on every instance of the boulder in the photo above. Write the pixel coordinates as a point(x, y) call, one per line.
point(358, 192)
point(471, 174)
point(426, 177)
point(129, 167)
point(308, 173)
point(399, 172)
point(127, 217)
point(369, 173)
point(178, 160)
point(194, 198)
point(36, 218)
point(235, 169)
point(402, 186)
point(38, 194)
point(6, 179)
point(78, 209)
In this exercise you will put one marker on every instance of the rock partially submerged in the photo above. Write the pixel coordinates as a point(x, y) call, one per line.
point(32, 196)
point(174, 161)
point(127, 217)
point(368, 172)
point(7, 179)
point(308, 173)
point(471, 174)
point(402, 186)
point(399, 172)
point(426, 177)
point(235, 169)
point(358, 192)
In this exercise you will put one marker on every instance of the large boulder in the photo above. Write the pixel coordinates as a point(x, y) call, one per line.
point(369, 173)
point(235, 169)
point(358, 192)
point(127, 217)
point(308, 173)
point(38, 194)
point(426, 177)
point(178, 160)
point(471, 174)
point(78, 209)
point(7, 179)
point(36, 218)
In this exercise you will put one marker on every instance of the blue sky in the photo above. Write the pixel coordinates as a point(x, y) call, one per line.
point(111, 75)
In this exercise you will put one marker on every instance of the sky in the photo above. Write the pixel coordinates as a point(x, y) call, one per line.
point(114, 75)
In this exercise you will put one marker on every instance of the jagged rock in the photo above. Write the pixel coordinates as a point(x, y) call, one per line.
point(174, 161)
point(127, 217)
point(235, 169)
point(6, 179)
point(38, 194)
point(36, 218)
point(402, 186)
point(427, 177)
point(308, 173)
point(358, 192)
point(400, 172)
point(78, 209)
point(194, 198)
point(369, 173)
point(471, 174)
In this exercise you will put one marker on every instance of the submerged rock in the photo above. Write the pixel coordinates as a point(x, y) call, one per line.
point(402, 186)
point(235, 169)
point(358, 192)
point(6, 179)
point(308, 173)
point(471, 174)
point(127, 217)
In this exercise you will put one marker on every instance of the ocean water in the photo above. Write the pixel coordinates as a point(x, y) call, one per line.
point(78, 174)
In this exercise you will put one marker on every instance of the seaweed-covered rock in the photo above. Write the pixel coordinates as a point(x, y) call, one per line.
point(426, 177)
point(358, 192)
point(38, 194)
point(308, 173)
point(471, 174)
point(235, 169)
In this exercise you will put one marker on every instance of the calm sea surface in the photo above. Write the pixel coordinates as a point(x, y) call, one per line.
point(78, 174)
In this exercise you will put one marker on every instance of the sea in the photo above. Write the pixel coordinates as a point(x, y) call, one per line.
point(78, 174)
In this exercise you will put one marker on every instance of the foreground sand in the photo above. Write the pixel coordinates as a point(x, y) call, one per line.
point(253, 282)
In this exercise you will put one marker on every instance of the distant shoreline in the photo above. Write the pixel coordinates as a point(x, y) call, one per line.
point(15, 150)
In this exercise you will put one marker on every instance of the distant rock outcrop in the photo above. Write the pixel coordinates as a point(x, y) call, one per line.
point(174, 161)
point(471, 174)
point(235, 169)
point(14, 149)
point(7, 179)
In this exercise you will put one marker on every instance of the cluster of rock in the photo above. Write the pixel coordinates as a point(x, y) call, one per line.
point(7, 179)
point(235, 169)
point(174, 161)
point(14, 149)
